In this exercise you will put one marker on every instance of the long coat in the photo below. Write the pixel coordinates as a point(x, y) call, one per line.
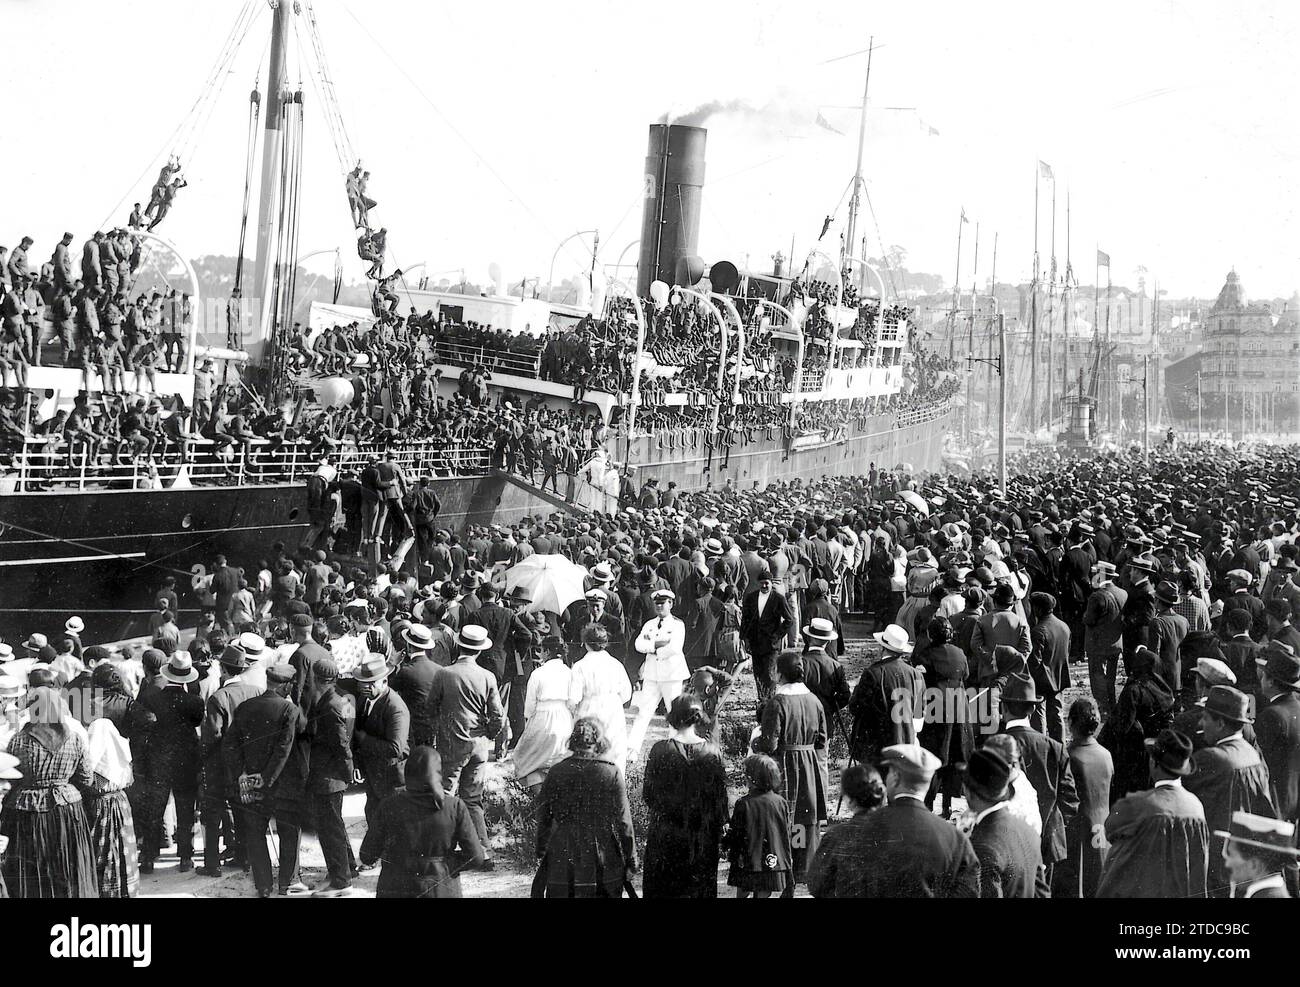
point(1159, 846)
point(584, 830)
point(424, 840)
point(1145, 707)
point(1229, 776)
point(686, 794)
point(872, 707)
point(1277, 725)
point(382, 740)
point(1093, 769)
point(1047, 766)
point(795, 733)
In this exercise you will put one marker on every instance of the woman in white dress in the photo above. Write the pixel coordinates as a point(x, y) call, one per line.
point(599, 688)
point(548, 722)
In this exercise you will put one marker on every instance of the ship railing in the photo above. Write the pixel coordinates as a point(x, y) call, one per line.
point(40, 467)
point(461, 355)
point(811, 381)
point(917, 416)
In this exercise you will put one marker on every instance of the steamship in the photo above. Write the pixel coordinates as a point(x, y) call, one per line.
point(95, 539)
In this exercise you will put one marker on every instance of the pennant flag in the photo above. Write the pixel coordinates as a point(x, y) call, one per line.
point(963, 215)
point(1103, 259)
point(822, 122)
point(1045, 170)
point(933, 132)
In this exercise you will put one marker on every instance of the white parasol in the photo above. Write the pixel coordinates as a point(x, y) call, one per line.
point(552, 581)
point(916, 500)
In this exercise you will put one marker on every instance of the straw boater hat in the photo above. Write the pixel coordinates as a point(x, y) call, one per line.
point(74, 625)
point(418, 637)
point(894, 638)
point(180, 669)
point(1261, 832)
point(820, 629)
point(9, 767)
point(472, 637)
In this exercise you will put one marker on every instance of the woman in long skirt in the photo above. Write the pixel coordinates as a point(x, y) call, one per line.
point(686, 793)
point(793, 731)
point(49, 853)
point(548, 722)
point(599, 688)
point(109, 812)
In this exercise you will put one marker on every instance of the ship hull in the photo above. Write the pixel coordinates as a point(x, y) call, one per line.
point(102, 554)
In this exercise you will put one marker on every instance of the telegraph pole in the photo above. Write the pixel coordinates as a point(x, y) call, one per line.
point(1146, 408)
point(1002, 404)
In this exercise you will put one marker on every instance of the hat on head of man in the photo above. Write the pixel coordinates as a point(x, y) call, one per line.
point(988, 775)
point(1020, 689)
point(820, 629)
point(418, 637)
point(233, 657)
point(1279, 661)
point(472, 637)
point(375, 668)
point(1228, 703)
point(894, 639)
point(280, 674)
point(1214, 672)
point(912, 761)
point(180, 669)
point(1172, 751)
point(1277, 836)
point(1166, 592)
point(1241, 576)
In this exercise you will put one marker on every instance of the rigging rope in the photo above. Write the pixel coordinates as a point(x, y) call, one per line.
point(884, 254)
point(254, 116)
point(246, 17)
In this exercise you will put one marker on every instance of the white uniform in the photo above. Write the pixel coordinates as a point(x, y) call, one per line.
point(663, 673)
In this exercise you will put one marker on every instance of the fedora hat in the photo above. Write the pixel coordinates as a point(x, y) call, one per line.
point(1020, 689)
point(1172, 751)
point(233, 657)
point(988, 772)
point(418, 637)
point(1166, 592)
point(373, 669)
point(1280, 662)
point(472, 637)
point(820, 629)
point(1261, 832)
point(180, 669)
point(35, 642)
point(1226, 702)
point(894, 638)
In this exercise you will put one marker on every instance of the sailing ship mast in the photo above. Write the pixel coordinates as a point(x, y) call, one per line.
point(855, 200)
point(268, 209)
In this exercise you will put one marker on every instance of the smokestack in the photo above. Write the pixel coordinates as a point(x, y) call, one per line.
point(674, 185)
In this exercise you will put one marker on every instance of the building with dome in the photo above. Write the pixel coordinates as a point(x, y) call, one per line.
point(1250, 363)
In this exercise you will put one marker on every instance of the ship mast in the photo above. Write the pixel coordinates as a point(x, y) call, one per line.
point(268, 209)
point(855, 200)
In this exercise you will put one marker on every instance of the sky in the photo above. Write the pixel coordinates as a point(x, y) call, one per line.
point(494, 130)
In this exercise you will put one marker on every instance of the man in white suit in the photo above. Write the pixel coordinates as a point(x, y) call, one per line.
point(661, 640)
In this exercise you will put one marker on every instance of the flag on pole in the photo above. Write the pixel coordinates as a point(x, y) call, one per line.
point(1103, 259)
point(1045, 170)
point(822, 122)
point(963, 215)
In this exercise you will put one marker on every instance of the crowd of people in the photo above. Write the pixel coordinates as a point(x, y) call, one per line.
point(1180, 779)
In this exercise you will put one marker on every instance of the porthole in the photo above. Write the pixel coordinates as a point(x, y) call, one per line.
point(293, 514)
point(187, 521)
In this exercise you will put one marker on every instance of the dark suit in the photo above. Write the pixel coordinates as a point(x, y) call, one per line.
point(1165, 636)
point(765, 634)
point(1010, 857)
point(1049, 666)
point(506, 659)
point(1277, 725)
point(304, 690)
point(219, 806)
point(412, 682)
point(1253, 605)
point(901, 850)
point(381, 742)
point(263, 740)
point(330, 774)
point(171, 766)
point(1047, 766)
point(677, 571)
